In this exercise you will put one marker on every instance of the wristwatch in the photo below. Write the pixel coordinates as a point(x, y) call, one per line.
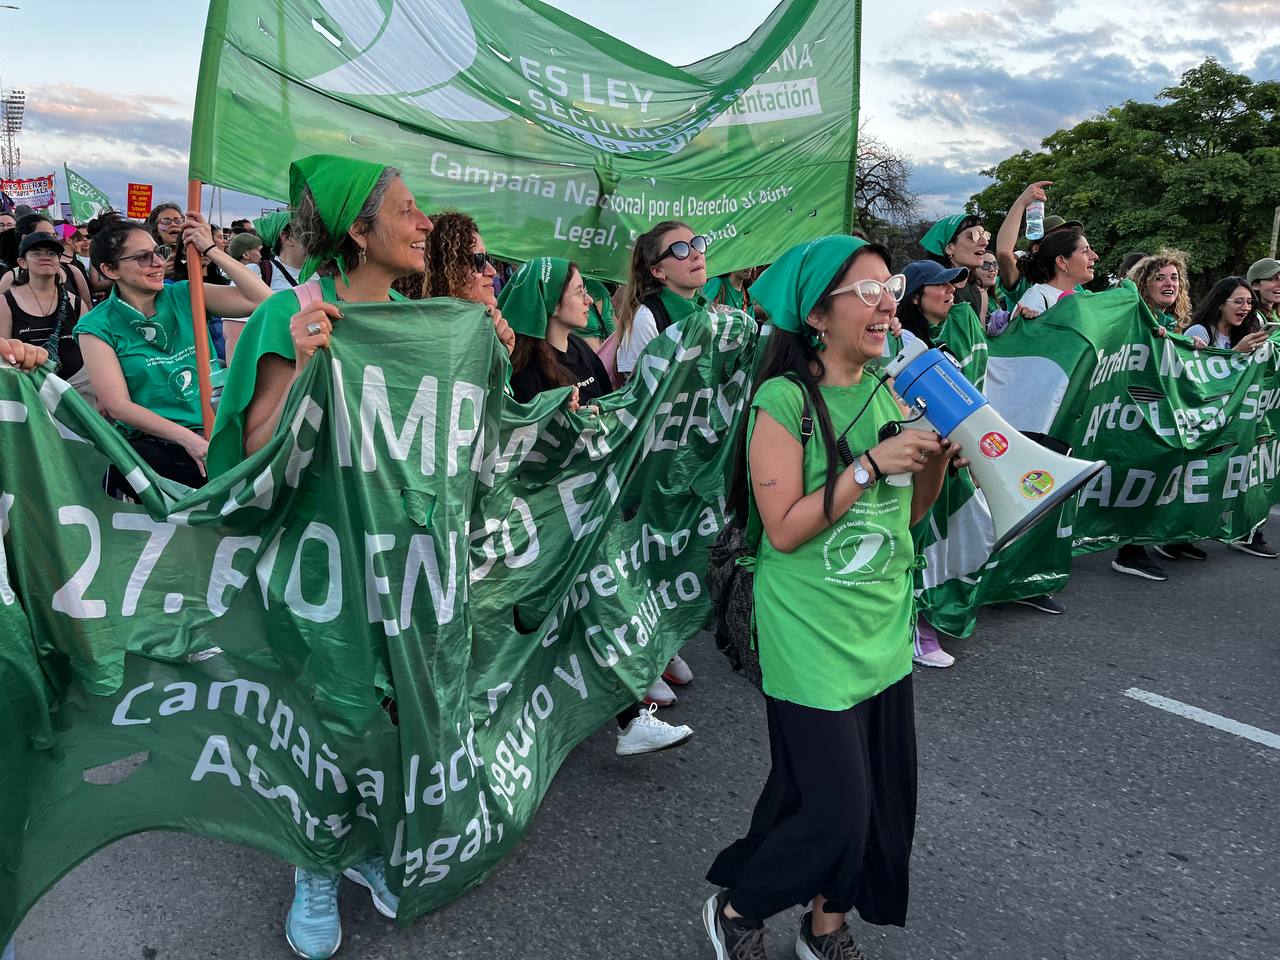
point(861, 475)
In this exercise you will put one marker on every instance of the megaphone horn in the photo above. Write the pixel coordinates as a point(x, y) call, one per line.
point(1022, 481)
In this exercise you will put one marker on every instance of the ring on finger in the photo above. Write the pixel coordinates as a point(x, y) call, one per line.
point(922, 458)
point(313, 329)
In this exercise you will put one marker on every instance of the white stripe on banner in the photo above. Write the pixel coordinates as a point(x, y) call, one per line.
point(1178, 708)
point(12, 411)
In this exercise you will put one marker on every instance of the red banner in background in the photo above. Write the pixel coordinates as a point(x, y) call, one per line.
point(35, 192)
point(139, 204)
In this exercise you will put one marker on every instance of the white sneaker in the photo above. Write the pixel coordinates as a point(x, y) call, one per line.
point(678, 672)
point(647, 734)
point(934, 658)
point(660, 694)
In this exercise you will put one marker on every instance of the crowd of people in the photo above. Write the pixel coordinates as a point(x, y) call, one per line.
point(108, 304)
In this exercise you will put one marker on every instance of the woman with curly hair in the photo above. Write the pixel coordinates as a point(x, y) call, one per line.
point(1159, 280)
point(458, 265)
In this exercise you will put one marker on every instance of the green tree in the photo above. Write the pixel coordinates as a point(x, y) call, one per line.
point(1198, 170)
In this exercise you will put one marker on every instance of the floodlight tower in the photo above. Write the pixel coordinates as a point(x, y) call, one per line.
point(13, 106)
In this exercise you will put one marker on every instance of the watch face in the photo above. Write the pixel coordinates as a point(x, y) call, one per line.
point(861, 476)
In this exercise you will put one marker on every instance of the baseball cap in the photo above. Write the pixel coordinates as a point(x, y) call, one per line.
point(242, 243)
point(927, 273)
point(39, 239)
point(1263, 269)
point(1052, 223)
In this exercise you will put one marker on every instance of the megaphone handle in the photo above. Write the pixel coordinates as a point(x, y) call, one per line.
point(904, 479)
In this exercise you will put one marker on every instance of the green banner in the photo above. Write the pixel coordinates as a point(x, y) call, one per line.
point(224, 661)
point(557, 138)
point(87, 201)
point(1189, 436)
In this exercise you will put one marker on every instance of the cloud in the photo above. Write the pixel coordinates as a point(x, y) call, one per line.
point(75, 112)
point(1022, 109)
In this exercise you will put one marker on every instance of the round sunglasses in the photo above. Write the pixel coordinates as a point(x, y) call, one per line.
point(681, 249)
point(870, 292)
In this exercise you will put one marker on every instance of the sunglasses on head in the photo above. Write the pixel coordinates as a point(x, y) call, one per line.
point(681, 249)
point(870, 292)
point(147, 257)
point(481, 260)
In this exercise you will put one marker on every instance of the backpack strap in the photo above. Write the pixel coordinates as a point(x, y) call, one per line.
point(661, 318)
point(806, 414)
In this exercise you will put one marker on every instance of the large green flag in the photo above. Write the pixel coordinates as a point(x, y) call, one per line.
point(87, 201)
point(1189, 436)
point(556, 137)
point(228, 661)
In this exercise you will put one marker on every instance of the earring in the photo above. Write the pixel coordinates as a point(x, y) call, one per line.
point(360, 257)
point(818, 339)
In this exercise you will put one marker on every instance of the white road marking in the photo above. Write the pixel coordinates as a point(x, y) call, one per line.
point(1177, 707)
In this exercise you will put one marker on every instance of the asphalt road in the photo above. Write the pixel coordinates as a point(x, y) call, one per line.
point(1058, 817)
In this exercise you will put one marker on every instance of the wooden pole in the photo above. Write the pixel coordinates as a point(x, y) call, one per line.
point(199, 319)
point(1275, 232)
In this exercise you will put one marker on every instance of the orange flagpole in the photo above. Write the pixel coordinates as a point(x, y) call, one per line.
point(199, 319)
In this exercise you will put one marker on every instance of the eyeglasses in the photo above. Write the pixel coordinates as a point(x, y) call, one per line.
point(870, 292)
point(681, 249)
point(481, 260)
point(976, 234)
point(1240, 301)
point(170, 221)
point(43, 253)
point(146, 258)
point(989, 266)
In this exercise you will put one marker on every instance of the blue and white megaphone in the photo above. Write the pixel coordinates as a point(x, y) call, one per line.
point(1022, 481)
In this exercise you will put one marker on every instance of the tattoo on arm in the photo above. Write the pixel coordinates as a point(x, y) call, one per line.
point(768, 483)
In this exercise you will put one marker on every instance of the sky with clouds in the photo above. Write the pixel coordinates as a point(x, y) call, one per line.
point(955, 87)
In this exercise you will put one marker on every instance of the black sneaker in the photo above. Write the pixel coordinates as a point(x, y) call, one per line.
point(1138, 566)
point(832, 946)
point(1255, 546)
point(732, 939)
point(1045, 604)
point(1180, 551)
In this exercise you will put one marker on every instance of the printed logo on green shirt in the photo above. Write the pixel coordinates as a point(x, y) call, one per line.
point(153, 333)
point(859, 550)
point(183, 382)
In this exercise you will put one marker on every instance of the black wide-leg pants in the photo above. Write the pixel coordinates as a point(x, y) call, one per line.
point(836, 816)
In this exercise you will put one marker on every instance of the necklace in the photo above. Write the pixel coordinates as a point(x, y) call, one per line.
point(52, 305)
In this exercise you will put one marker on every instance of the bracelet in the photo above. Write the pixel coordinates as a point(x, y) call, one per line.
point(874, 466)
point(205, 251)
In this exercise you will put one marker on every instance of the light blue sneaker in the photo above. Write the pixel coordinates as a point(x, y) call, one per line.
point(313, 928)
point(372, 875)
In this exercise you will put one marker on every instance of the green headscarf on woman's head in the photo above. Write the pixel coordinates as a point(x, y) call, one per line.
point(269, 226)
point(532, 294)
point(340, 186)
point(790, 288)
point(942, 233)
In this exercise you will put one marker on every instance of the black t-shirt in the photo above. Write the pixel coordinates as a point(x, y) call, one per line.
point(593, 379)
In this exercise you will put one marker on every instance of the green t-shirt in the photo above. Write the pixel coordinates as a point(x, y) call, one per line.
point(265, 332)
point(834, 615)
point(720, 290)
point(157, 354)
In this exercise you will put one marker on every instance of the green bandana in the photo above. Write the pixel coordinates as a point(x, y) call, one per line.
point(340, 187)
point(942, 233)
point(270, 226)
point(530, 297)
point(789, 289)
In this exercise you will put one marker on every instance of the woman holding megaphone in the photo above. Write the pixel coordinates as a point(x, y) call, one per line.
point(833, 609)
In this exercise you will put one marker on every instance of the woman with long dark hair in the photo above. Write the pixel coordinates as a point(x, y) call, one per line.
point(41, 310)
point(833, 609)
point(960, 240)
point(1061, 263)
point(545, 301)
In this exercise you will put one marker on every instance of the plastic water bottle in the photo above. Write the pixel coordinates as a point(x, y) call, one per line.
point(1035, 219)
